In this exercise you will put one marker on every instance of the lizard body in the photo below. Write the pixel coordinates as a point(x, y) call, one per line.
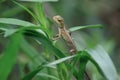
point(64, 33)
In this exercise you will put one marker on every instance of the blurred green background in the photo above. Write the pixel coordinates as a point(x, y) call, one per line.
point(75, 13)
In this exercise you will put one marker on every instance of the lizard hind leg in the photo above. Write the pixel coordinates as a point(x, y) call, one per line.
point(72, 51)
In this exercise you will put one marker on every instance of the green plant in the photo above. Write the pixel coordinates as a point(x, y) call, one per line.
point(51, 63)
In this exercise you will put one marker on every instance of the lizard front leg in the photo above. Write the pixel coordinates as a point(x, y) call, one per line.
point(57, 36)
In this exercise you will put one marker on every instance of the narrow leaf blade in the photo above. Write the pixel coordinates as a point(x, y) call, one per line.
point(48, 76)
point(50, 65)
point(9, 56)
point(13, 21)
point(83, 27)
point(32, 74)
point(59, 61)
point(103, 60)
point(31, 52)
point(45, 42)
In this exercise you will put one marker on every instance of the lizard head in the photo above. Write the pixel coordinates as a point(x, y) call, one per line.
point(59, 20)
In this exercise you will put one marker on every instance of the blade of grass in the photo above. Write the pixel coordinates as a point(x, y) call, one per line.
point(9, 31)
point(59, 61)
point(83, 61)
point(30, 75)
point(49, 76)
point(83, 27)
point(103, 62)
point(49, 65)
point(45, 42)
point(18, 22)
point(31, 13)
point(41, 14)
point(31, 52)
point(9, 56)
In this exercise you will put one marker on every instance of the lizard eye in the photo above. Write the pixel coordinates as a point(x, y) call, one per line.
point(60, 20)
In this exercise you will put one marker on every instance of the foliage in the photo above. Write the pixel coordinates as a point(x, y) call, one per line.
point(51, 61)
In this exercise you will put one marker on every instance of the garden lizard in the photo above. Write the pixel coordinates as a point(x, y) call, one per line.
point(66, 36)
point(64, 33)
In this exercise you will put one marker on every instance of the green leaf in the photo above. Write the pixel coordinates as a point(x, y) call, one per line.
point(104, 62)
point(40, 0)
point(30, 12)
point(54, 63)
point(8, 32)
point(30, 75)
point(41, 15)
point(15, 22)
point(9, 56)
point(83, 27)
point(31, 52)
point(51, 64)
point(84, 57)
point(48, 76)
point(45, 42)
